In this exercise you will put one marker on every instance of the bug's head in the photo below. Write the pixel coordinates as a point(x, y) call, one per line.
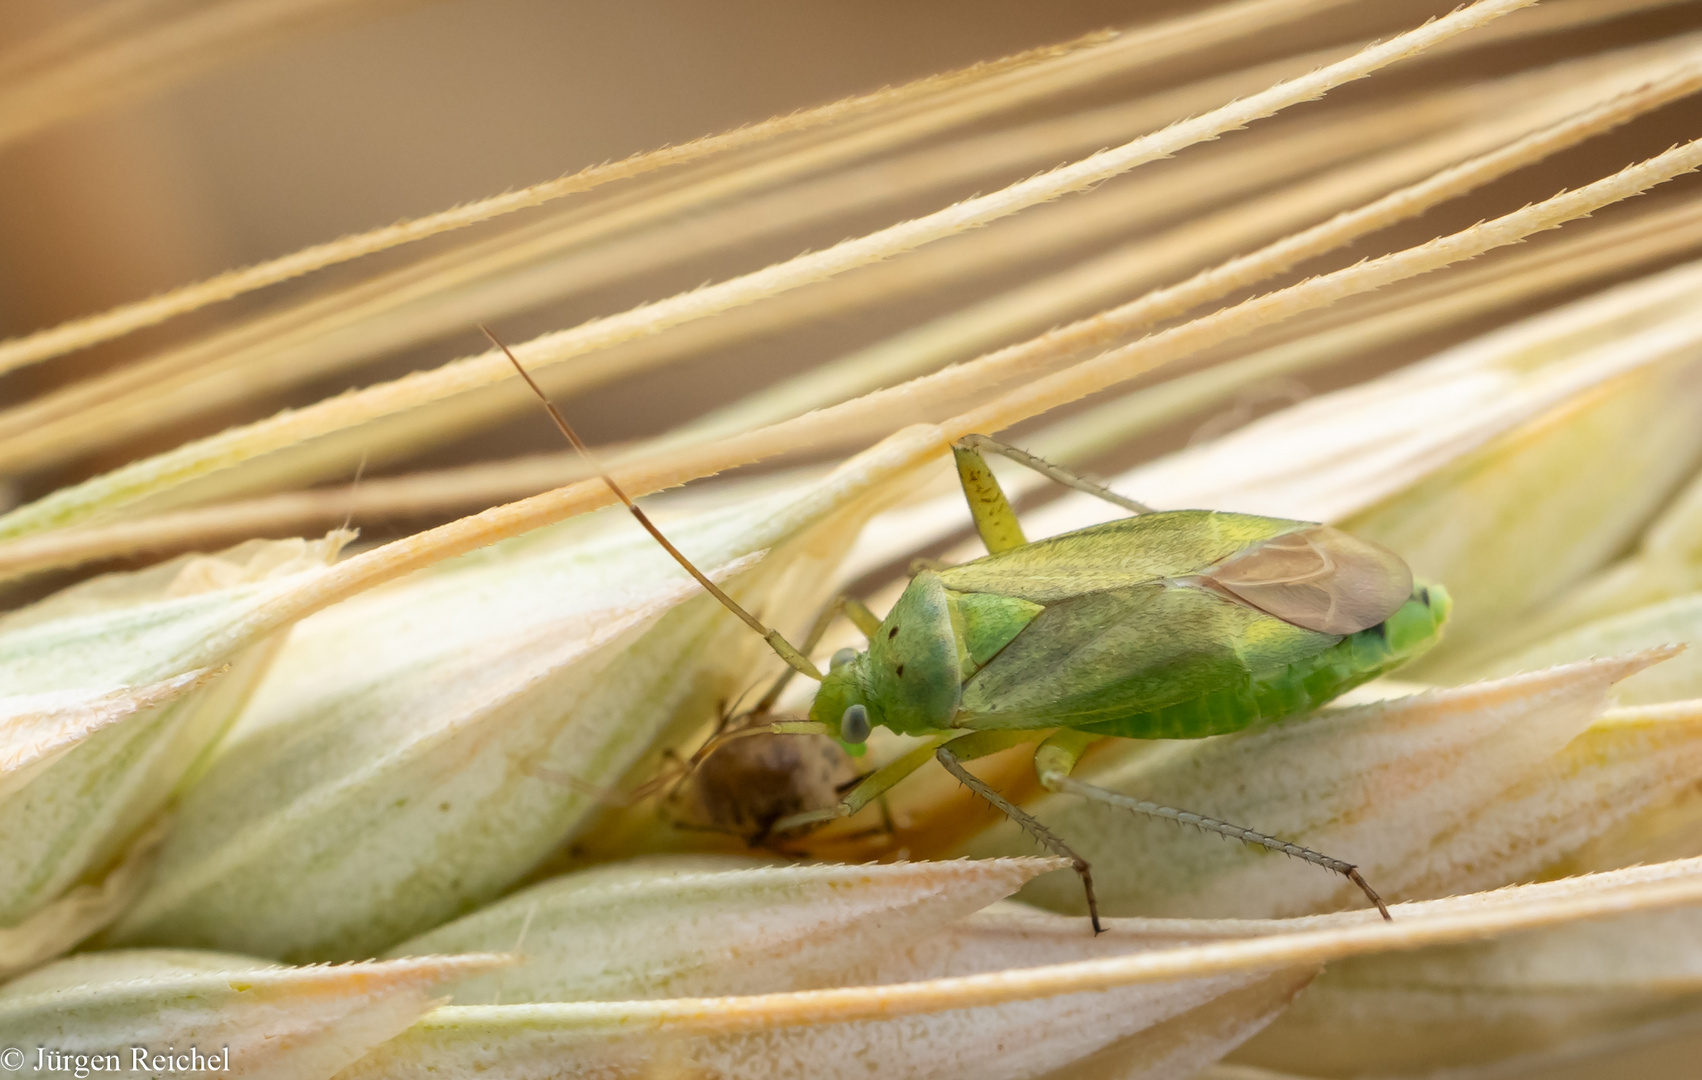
point(840, 703)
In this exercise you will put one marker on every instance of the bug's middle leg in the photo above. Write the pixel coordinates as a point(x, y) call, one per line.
point(953, 754)
point(1057, 758)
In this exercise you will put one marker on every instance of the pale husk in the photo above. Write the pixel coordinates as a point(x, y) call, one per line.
point(275, 1022)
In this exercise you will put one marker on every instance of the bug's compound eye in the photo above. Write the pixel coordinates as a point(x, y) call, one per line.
point(841, 658)
point(854, 725)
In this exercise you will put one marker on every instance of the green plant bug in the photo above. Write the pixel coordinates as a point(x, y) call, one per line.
point(1165, 624)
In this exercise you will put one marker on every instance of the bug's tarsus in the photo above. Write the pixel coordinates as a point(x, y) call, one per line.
point(1055, 473)
point(1057, 782)
point(886, 827)
point(797, 660)
point(1353, 875)
point(1029, 824)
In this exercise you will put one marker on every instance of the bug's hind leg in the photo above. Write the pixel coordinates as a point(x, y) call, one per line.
point(1058, 755)
point(1026, 821)
point(970, 447)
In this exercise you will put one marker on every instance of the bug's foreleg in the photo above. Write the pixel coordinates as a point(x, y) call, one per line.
point(972, 445)
point(953, 754)
point(868, 789)
point(1057, 758)
point(853, 608)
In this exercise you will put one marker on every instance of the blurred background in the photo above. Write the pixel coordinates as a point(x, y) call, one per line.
point(327, 119)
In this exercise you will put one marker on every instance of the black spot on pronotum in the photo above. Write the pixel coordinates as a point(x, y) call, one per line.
point(890, 634)
point(1381, 630)
point(1424, 596)
point(901, 671)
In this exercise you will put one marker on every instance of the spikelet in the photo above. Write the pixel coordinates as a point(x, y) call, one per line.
point(458, 749)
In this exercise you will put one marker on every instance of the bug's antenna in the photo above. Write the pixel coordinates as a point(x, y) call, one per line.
point(780, 645)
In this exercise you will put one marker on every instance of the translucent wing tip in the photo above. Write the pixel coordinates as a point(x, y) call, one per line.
point(1318, 578)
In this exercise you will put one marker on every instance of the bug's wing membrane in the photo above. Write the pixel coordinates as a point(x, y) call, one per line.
point(1319, 578)
point(1096, 658)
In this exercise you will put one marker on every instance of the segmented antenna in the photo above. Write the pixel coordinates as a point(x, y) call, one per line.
point(798, 661)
